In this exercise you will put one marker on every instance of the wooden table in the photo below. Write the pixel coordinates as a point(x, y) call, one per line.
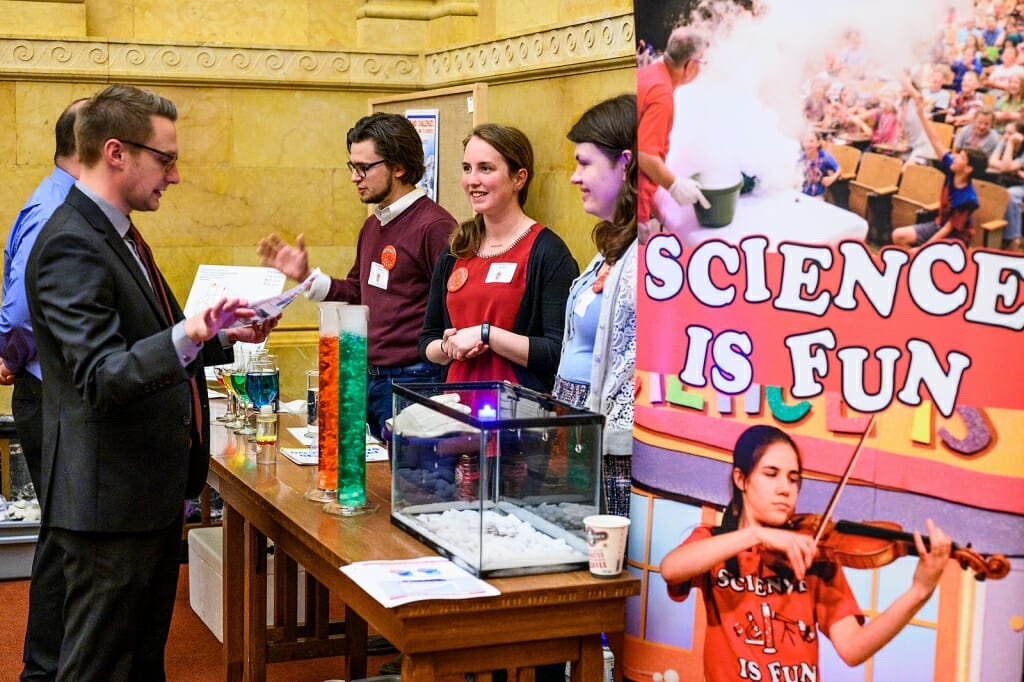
point(536, 619)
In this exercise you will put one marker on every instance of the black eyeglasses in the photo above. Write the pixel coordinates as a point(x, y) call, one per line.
point(167, 158)
point(361, 169)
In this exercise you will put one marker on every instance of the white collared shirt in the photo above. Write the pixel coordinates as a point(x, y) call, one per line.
point(321, 285)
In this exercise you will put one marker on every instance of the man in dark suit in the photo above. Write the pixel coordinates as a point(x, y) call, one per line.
point(20, 366)
point(124, 401)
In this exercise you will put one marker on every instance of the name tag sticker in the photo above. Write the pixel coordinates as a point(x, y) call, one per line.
point(378, 276)
point(501, 273)
point(583, 302)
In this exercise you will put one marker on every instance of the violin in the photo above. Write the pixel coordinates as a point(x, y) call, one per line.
point(874, 544)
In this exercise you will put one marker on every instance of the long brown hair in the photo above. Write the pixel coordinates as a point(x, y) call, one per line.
point(515, 148)
point(611, 127)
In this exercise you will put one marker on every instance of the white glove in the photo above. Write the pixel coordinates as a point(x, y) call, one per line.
point(686, 191)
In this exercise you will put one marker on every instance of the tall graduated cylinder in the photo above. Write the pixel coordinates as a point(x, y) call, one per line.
point(327, 438)
point(351, 423)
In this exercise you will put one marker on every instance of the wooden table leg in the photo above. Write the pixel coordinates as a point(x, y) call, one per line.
point(617, 643)
point(355, 642)
point(256, 605)
point(233, 576)
point(286, 595)
point(591, 665)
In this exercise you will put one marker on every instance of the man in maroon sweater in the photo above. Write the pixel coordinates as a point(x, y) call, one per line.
point(395, 255)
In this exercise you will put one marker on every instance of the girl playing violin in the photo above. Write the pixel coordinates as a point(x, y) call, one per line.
point(763, 618)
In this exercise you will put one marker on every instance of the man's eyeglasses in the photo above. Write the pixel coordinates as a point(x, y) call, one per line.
point(361, 169)
point(167, 158)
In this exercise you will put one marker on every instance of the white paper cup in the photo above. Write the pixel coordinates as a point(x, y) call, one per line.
point(606, 544)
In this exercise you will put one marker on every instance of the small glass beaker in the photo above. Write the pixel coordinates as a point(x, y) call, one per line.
point(312, 403)
point(266, 435)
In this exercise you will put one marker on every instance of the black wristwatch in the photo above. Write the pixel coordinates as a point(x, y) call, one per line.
point(485, 333)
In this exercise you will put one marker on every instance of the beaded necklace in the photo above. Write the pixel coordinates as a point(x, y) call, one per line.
point(508, 248)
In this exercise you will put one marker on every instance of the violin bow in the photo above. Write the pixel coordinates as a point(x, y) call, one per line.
point(842, 481)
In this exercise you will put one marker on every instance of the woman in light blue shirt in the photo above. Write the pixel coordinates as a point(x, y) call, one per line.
point(599, 344)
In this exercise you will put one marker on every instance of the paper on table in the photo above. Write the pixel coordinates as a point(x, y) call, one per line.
point(376, 453)
point(302, 456)
point(299, 432)
point(403, 581)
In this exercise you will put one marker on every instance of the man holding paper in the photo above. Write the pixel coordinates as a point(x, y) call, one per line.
point(124, 401)
point(395, 255)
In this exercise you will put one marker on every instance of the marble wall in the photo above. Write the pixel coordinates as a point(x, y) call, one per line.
point(266, 92)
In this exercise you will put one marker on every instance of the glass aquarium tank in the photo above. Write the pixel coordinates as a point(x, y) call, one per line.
point(494, 476)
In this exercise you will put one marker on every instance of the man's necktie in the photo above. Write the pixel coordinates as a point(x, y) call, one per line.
point(157, 282)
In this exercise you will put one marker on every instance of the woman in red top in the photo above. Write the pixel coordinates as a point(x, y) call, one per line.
point(763, 615)
point(497, 296)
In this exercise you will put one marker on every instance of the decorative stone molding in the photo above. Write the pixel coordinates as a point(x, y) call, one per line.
point(580, 48)
point(584, 46)
point(52, 59)
point(205, 64)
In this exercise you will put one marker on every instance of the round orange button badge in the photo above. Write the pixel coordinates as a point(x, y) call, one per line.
point(457, 278)
point(388, 257)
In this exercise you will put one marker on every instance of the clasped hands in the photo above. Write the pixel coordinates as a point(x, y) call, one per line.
point(462, 344)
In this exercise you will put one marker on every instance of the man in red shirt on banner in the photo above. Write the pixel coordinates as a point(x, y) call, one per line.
point(655, 86)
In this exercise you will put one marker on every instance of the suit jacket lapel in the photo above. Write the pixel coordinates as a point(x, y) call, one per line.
point(88, 208)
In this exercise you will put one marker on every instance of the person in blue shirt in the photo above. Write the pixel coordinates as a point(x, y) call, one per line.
point(20, 366)
point(820, 169)
point(991, 34)
point(958, 199)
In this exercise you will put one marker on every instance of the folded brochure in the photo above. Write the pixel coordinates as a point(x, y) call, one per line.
point(273, 307)
point(402, 581)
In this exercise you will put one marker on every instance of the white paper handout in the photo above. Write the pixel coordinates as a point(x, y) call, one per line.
point(375, 450)
point(301, 456)
point(400, 582)
point(269, 308)
point(214, 282)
